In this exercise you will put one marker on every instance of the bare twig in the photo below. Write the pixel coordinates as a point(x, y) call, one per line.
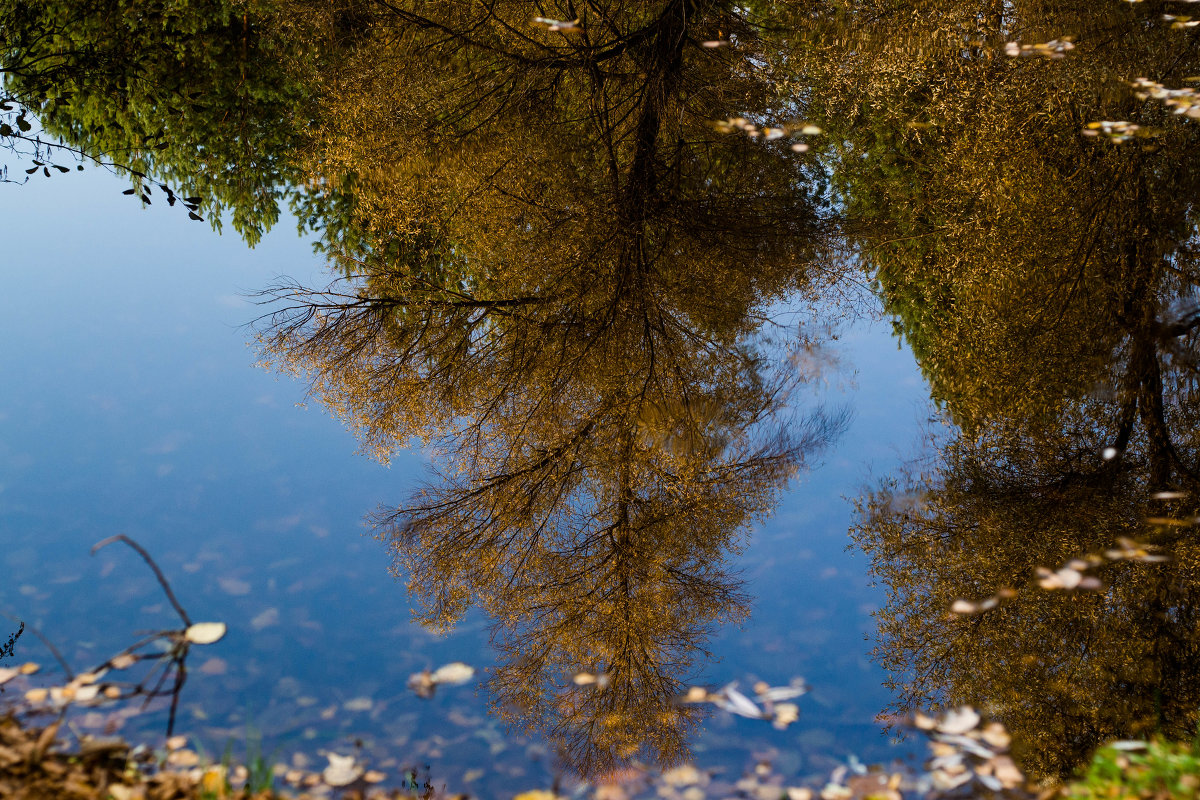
point(162, 580)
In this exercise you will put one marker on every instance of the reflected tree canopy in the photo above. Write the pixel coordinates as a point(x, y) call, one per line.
point(1045, 278)
point(211, 97)
point(559, 235)
point(994, 226)
point(558, 279)
point(1066, 671)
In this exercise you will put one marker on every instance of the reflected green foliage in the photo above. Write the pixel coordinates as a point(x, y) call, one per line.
point(1165, 770)
point(8, 649)
point(211, 97)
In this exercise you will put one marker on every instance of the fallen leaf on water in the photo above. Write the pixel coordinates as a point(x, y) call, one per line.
point(341, 771)
point(453, 673)
point(123, 661)
point(588, 679)
point(85, 694)
point(959, 720)
point(771, 694)
point(785, 714)
point(684, 775)
point(737, 703)
point(963, 607)
point(205, 632)
point(995, 735)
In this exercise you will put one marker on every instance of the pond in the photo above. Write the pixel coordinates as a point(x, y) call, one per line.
point(645, 346)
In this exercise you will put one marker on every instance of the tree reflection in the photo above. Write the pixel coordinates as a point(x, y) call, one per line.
point(1066, 671)
point(558, 279)
point(1045, 279)
point(995, 227)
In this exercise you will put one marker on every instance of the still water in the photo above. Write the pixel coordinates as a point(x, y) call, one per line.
point(145, 414)
point(674, 343)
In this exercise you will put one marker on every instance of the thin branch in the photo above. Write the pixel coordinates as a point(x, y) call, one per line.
point(162, 580)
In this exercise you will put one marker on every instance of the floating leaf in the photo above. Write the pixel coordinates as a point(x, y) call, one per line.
point(421, 683)
point(683, 775)
point(205, 632)
point(785, 714)
point(123, 661)
point(342, 771)
point(961, 606)
point(772, 694)
point(737, 703)
point(959, 720)
point(453, 673)
point(924, 722)
point(562, 26)
point(358, 704)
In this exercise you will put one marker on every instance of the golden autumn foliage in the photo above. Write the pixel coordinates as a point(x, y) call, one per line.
point(563, 269)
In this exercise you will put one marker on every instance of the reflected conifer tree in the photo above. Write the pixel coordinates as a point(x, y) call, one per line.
point(560, 284)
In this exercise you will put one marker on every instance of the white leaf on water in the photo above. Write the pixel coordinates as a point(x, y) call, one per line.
point(341, 771)
point(453, 673)
point(738, 703)
point(959, 720)
point(1127, 744)
point(961, 606)
point(776, 693)
point(785, 714)
point(205, 632)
